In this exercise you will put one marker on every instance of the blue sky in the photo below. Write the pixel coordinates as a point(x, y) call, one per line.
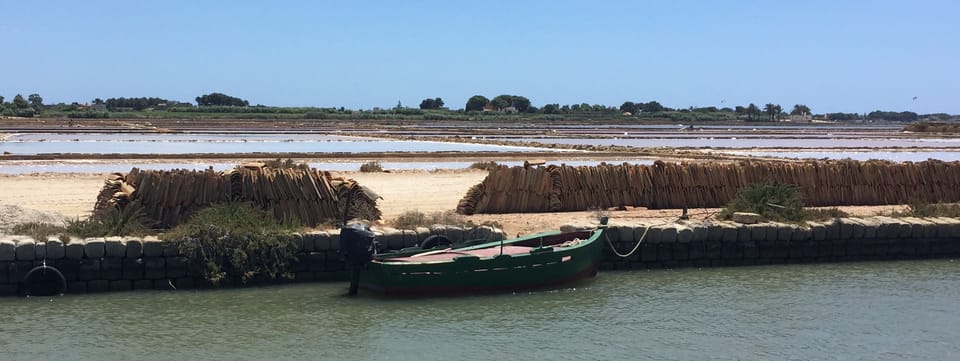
point(851, 56)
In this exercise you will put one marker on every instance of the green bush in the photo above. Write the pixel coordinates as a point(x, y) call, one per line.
point(772, 201)
point(414, 219)
point(488, 165)
point(238, 240)
point(371, 167)
point(38, 231)
point(925, 209)
point(128, 221)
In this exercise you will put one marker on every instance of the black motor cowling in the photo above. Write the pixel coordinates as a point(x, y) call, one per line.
point(356, 243)
point(357, 246)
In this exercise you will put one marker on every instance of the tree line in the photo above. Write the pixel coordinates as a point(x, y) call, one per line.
point(505, 103)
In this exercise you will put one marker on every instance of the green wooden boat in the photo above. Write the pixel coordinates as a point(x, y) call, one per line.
point(538, 260)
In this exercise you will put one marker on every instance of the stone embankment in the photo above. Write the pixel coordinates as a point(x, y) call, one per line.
point(133, 263)
point(719, 243)
point(120, 264)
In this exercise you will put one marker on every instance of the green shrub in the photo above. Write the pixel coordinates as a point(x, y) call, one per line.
point(128, 221)
point(772, 201)
point(488, 165)
point(925, 209)
point(414, 219)
point(236, 239)
point(38, 231)
point(371, 167)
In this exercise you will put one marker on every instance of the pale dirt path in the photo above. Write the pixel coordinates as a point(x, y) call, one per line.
point(73, 195)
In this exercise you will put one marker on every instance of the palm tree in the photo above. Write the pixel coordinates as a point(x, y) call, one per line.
point(771, 110)
point(752, 109)
point(800, 109)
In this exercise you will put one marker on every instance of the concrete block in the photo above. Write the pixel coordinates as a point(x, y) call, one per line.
point(111, 268)
point(309, 241)
point(684, 235)
point(70, 268)
point(714, 232)
point(120, 285)
point(321, 240)
point(334, 239)
point(859, 229)
point(700, 231)
point(134, 247)
point(745, 217)
point(422, 233)
point(77, 287)
point(154, 268)
point(94, 286)
point(654, 234)
point(89, 269)
point(833, 230)
point(142, 284)
point(8, 250)
point(172, 249)
point(870, 228)
point(818, 231)
point(729, 233)
point(846, 228)
point(668, 234)
point(744, 234)
point(26, 249)
point(55, 249)
point(184, 283)
point(455, 234)
point(758, 232)
point(801, 234)
point(409, 236)
point(152, 248)
point(93, 248)
point(623, 233)
point(114, 247)
point(40, 250)
point(176, 267)
point(132, 268)
point(391, 238)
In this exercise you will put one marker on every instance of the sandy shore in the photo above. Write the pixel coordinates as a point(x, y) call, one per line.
point(73, 195)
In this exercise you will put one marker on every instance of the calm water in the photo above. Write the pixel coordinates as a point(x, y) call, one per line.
point(227, 143)
point(862, 311)
point(99, 167)
point(753, 141)
point(861, 156)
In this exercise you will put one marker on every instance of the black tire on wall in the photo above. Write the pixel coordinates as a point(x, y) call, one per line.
point(43, 281)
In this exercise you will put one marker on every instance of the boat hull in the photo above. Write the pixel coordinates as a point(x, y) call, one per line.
point(537, 268)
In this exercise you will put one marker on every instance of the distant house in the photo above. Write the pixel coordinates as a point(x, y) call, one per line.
point(511, 109)
point(802, 118)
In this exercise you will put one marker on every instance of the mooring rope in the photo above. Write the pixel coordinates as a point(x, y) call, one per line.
point(636, 246)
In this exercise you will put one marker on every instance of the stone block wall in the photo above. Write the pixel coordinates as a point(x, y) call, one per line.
point(719, 243)
point(133, 263)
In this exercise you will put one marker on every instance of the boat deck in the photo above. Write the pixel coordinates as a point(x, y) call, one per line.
point(448, 254)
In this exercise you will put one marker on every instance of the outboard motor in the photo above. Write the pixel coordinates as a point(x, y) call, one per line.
point(357, 247)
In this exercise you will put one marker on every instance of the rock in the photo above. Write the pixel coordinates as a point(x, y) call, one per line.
point(134, 248)
point(93, 248)
point(745, 217)
point(113, 247)
point(152, 248)
point(55, 249)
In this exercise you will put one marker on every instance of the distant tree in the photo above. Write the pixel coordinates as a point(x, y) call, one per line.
point(137, 104)
point(428, 103)
point(740, 110)
point(476, 103)
point(843, 116)
point(501, 102)
point(20, 103)
point(771, 110)
point(220, 99)
point(98, 101)
point(36, 102)
point(629, 107)
point(752, 111)
point(800, 109)
point(572, 108)
point(550, 109)
point(652, 107)
point(1, 100)
point(893, 116)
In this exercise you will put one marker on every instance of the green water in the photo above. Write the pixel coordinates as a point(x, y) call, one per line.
point(858, 311)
